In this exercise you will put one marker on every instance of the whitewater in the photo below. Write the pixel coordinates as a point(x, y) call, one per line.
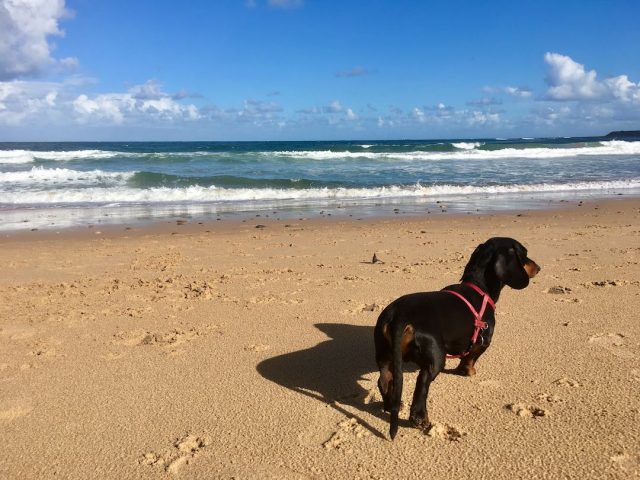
point(54, 185)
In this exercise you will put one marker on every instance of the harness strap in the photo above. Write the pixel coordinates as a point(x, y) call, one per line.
point(478, 323)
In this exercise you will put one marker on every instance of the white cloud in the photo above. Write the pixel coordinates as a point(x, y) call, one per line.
point(69, 62)
point(350, 115)
point(107, 107)
point(22, 101)
point(519, 92)
point(418, 115)
point(25, 26)
point(522, 92)
point(568, 80)
point(476, 118)
point(623, 89)
point(145, 101)
point(334, 107)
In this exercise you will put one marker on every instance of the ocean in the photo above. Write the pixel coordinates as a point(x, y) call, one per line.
point(61, 185)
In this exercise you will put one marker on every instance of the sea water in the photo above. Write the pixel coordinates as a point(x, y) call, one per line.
point(57, 185)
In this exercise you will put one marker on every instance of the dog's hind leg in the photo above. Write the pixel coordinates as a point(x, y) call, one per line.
point(384, 360)
point(385, 385)
point(431, 363)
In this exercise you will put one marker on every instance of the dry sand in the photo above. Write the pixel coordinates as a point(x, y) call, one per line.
point(230, 351)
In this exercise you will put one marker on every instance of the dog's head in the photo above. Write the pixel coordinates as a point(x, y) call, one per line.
point(505, 258)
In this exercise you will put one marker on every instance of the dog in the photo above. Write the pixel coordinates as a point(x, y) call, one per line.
point(458, 321)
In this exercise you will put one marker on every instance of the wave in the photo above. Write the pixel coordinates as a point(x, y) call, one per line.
point(467, 145)
point(41, 175)
point(153, 179)
point(160, 195)
point(28, 156)
point(436, 151)
point(608, 148)
point(15, 156)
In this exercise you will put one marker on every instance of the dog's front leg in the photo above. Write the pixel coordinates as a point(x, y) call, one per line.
point(466, 367)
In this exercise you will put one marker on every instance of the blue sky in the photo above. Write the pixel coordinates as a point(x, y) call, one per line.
point(312, 69)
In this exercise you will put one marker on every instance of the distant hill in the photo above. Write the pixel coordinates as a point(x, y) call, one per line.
point(624, 135)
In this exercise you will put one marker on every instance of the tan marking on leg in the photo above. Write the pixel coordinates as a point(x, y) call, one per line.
point(385, 381)
point(386, 333)
point(407, 338)
point(466, 367)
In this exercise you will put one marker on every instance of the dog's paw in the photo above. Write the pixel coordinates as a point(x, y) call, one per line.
point(419, 420)
point(465, 370)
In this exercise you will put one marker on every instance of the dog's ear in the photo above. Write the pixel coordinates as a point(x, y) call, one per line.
point(509, 269)
point(480, 258)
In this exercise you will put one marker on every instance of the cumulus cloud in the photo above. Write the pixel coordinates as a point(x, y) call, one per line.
point(22, 101)
point(147, 101)
point(255, 112)
point(25, 28)
point(351, 115)
point(334, 107)
point(441, 117)
point(522, 92)
point(569, 80)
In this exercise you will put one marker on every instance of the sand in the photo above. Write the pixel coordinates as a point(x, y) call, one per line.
point(222, 350)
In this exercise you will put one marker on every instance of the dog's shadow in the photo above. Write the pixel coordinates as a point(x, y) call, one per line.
point(330, 371)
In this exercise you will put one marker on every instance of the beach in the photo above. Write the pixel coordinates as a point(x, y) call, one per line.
point(244, 349)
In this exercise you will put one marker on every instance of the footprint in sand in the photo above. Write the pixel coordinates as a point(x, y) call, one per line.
point(567, 382)
point(183, 451)
point(558, 290)
point(550, 398)
point(527, 411)
point(364, 307)
point(612, 342)
point(445, 432)
point(257, 347)
point(606, 283)
point(348, 431)
point(169, 339)
point(15, 412)
point(629, 464)
point(43, 349)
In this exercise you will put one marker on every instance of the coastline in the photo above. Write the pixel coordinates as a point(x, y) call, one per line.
point(170, 351)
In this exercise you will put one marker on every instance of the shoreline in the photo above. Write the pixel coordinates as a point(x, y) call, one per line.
point(185, 224)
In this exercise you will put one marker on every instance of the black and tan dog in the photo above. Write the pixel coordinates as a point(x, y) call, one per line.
point(457, 321)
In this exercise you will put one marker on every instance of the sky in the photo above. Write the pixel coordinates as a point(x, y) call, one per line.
point(116, 70)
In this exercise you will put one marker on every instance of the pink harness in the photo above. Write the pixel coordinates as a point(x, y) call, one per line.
point(478, 323)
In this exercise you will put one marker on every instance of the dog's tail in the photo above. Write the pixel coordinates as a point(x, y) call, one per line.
point(396, 338)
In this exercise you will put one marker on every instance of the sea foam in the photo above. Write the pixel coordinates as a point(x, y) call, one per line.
point(41, 175)
point(124, 195)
